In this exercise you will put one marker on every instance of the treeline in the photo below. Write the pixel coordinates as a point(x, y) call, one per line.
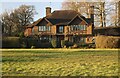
point(14, 22)
point(106, 13)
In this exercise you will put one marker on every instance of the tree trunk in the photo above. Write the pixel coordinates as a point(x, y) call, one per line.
point(119, 13)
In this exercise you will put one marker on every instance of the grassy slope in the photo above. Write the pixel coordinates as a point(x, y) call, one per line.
point(62, 62)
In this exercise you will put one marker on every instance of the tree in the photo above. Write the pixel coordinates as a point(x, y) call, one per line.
point(14, 22)
point(6, 23)
point(81, 7)
point(25, 15)
point(103, 10)
point(84, 9)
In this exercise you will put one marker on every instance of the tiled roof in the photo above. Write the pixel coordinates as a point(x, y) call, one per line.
point(34, 23)
point(61, 17)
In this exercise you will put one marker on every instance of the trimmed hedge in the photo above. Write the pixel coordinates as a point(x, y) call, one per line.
point(18, 42)
point(107, 42)
point(10, 42)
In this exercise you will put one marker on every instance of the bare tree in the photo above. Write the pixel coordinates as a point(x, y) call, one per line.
point(6, 23)
point(81, 7)
point(15, 21)
point(104, 11)
point(25, 15)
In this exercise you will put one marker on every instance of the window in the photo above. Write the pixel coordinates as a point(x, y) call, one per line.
point(33, 30)
point(47, 28)
point(44, 39)
point(78, 27)
point(61, 29)
point(44, 28)
point(40, 28)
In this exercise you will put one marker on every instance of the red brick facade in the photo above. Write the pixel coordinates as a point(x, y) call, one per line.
point(67, 21)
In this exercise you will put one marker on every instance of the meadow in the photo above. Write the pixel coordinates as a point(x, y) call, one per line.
point(59, 62)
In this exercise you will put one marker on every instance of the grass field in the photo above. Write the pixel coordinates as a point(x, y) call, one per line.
point(59, 62)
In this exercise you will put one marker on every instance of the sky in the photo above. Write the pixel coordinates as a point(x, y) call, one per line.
point(40, 6)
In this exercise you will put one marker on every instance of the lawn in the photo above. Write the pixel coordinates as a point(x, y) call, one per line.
point(59, 62)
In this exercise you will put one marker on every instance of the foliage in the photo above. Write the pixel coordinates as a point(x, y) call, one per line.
point(107, 42)
point(54, 43)
point(32, 41)
point(10, 42)
point(63, 43)
point(66, 43)
point(14, 22)
point(21, 34)
point(103, 14)
point(60, 62)
point(45, 45)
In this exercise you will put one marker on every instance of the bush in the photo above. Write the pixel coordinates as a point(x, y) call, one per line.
point(83, 45)
point(23, 42)
point(32, 42)
point(45, 45)
point(10, 42)
point(68, 43)
point(21, 35)
point(107, 42)
point(54, 43)
point(63, 43)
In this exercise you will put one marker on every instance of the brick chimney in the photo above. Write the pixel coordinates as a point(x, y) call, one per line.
point(48, 11)
point(91, 11)
point(91, 15)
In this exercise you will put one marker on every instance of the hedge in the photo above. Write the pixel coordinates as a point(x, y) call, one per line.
point(10, 42)
point(107, 42)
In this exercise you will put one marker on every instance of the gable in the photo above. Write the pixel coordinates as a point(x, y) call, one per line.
point(43, 22)
point(82, 23)
point(75, 21)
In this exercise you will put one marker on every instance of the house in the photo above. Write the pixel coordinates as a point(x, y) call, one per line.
point(63, 25)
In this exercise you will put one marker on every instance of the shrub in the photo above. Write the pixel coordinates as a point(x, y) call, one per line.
point(68, 43)
point(45, 45)
point(32, 42)
point(10, 42)
point(107, 42)
point(23, 42)
point(63, 43)
point(21, 35)
point(54, 43)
